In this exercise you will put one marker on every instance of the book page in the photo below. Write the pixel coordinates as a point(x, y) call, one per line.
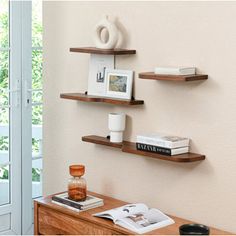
point(124, 211)
point(144, 222)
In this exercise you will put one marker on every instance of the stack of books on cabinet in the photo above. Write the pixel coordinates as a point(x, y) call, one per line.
point(64, 201)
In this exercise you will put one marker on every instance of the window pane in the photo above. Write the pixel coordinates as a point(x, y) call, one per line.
point(37, 115)
point(4, 110)
point(4, 35)
point(4, 139)
point(37, 23)
point(37, 98)
point(4, 81)
point(4, 185)
point(37, 63)
point(36, 180)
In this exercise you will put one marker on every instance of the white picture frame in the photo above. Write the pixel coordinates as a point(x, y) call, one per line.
point(97, 69)
point(119, 83)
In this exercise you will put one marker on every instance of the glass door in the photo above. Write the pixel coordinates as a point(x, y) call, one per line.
point(10, 118)
point(20, 113)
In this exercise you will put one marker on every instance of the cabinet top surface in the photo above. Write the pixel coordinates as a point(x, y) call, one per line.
point(110, 203)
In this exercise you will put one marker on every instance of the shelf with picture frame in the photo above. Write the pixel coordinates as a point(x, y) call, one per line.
point(84, 97)
point(105, 83)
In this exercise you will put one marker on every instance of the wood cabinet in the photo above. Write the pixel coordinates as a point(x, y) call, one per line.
point(52, 219)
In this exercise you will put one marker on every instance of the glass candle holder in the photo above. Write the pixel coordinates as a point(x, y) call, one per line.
point(77, 187)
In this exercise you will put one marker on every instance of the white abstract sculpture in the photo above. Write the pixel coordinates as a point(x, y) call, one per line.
point(116, 124)
point(113, 34)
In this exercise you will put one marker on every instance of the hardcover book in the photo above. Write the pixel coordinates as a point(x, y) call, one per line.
point(161, 150)
point(175, 70)
point(137, 217)
point(90, 202)
point(163, 140)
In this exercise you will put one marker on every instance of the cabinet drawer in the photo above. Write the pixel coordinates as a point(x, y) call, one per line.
point(52, 222)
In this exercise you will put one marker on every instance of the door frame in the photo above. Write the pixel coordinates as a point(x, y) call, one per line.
point(26, 157)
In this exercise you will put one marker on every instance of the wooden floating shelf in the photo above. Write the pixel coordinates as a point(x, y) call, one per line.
point(93, 50)
point(101, 140)
point(153, 76)
point(88, 98)
point(130, 147)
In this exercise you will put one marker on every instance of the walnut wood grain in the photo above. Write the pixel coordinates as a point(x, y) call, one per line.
point(186, 78)
point(101, 140)
point(130, 147)
point(55, 219)
point(93, 50)
point(53, 222)
point(88, 98)
point(36, 228)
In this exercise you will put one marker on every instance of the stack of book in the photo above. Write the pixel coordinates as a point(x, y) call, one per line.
point(163, 144)
point(89, 203)
point(175, 70)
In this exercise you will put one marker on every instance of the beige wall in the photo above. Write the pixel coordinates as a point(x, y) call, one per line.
point(202, 34)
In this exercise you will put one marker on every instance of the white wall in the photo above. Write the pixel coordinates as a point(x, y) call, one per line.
point(201, 34)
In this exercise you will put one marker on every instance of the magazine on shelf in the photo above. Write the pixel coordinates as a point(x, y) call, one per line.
point(137, 217)
point(89, 203)
point(163, 140)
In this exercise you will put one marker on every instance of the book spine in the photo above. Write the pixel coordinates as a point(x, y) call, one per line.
point(68, 203)
point(155, 149)
point(66, 206)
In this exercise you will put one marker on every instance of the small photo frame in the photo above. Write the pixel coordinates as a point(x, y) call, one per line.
point(119, 83)
point(97, 69)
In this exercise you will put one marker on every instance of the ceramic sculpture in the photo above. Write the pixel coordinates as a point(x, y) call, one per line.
point(113, 34)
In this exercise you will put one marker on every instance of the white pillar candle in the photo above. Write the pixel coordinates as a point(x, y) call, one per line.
point(116, 124)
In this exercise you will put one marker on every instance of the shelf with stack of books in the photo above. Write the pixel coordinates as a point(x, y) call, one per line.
point(130, 147)
point(174, 74)
point(178, 78)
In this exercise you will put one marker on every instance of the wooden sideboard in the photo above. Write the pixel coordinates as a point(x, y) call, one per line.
point(52, 219)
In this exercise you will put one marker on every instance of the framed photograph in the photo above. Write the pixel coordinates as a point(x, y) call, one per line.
point(119, 83)
point(97, 69)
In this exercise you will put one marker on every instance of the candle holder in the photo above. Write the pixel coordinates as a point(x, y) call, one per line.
point(116, 124)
